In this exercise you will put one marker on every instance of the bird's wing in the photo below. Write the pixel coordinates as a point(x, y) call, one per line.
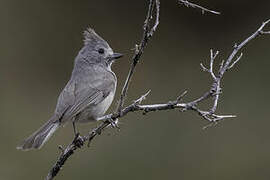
point(86, 98)
point(65, 100)
point(85, 90)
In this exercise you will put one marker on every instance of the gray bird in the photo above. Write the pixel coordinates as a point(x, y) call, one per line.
point(87, 95)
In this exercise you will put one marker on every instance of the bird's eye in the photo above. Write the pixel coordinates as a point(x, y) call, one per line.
point(101, 51)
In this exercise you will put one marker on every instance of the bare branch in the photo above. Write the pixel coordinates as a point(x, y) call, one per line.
point(147, 34)
point(204, 68)
point(214, 91)
point(189, 4)
point(154, 28)
point(142, 98)
point(213, 57)
point(221, 65)
point(242, 44)
point(236, 61)
point(179, 98)
point(265, 32)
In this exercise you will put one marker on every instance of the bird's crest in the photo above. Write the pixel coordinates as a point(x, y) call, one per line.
point(91, 37)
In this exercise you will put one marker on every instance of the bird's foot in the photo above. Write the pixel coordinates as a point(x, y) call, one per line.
point(78, 140)
point(114, 123)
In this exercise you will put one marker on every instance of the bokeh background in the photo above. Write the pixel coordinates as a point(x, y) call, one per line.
point(39, 40)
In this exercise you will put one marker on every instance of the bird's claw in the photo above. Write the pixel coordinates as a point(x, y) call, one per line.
point(78, 140)
point(114, 123)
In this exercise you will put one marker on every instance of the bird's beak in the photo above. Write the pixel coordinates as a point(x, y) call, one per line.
point(116, 56)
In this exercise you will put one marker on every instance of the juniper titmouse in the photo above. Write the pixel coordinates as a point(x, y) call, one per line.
point(88, 93)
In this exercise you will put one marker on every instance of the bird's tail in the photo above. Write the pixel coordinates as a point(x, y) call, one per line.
point(38, 138)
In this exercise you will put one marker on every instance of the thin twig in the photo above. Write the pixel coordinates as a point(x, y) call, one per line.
point(215, 89)
point(212, 59)
point(147, 34)
point(189, 4)
point(238, 47)
point(236, 61)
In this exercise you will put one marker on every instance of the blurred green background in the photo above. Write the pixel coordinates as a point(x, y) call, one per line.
point(39, 40)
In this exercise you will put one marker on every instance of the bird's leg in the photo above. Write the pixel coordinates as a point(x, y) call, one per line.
point(74, 129)
point(78, 140)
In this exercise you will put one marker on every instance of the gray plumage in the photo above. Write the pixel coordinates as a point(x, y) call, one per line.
point(87, 95)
